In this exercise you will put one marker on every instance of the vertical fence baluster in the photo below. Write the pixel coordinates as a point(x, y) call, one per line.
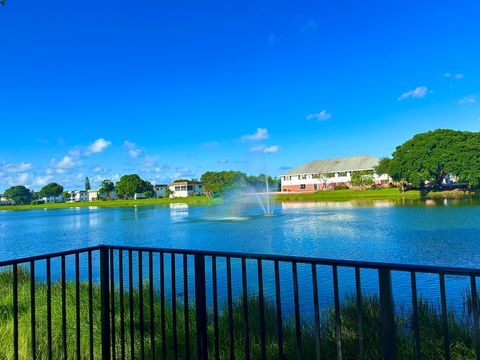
point(77, 304)
point(473, 290)
point(64, 309)
point(216, 336)
point(261, 310)
point(338, 319)
point(33, 325)
point(162, 306)
point(152, 305)
point(105, 303)
point(185, 306)
point(140, 305)
point(130, 296)
point(416, 325)
point(174, 306)
point(281, 356)
point(246, 324)
point(316, 310)
point(230, 309)
point(112, 306)
point(358, 286)
point(122, 309)
point(298, 329)
point(201, 307)
point(387, 314)
point(90, 304)
point(446, 335)
point(15, 310)
point(49, 309)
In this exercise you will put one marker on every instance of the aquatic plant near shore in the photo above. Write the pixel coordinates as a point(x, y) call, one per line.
point(430, 321)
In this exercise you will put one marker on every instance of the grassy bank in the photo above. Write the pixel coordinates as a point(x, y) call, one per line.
point(462, 342)
point(373, 194)
point(192, 200)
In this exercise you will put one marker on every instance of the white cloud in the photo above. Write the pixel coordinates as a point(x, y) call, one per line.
point(42, 180)
point(457, 76)
point(210, 145)
point(470, 99)
point(133, 150)
point(265, 149)
point(418, 92)
point(322, 115)
point(67, 162)
point(98, 169)
point(20, 167)
point(98, 146)
point(223, 161)
point(260, 134)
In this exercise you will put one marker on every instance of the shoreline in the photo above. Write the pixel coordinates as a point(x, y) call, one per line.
point(192, 200)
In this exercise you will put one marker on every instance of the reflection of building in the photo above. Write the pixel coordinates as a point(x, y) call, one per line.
point(78, 196)
point(178, 210)
point(327, 174)
point(185, 188)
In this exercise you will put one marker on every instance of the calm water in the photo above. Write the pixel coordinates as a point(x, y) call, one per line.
point(436, 233)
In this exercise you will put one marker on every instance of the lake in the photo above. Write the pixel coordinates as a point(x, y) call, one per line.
point(443, 232)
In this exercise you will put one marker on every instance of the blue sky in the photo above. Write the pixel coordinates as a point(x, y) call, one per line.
point(173, 89)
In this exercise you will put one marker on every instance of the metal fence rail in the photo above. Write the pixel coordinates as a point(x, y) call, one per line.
point(122, 308)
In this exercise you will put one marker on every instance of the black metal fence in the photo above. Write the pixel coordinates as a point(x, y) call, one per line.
point(116, 302)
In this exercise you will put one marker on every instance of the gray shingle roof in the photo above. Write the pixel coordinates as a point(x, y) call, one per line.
point(351, 163)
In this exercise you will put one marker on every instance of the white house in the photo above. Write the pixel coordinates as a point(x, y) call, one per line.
point(329, 173)
point(185, 188)
point(51, 199)
point(160, 190)
point(92, 195)
point(138, 196)
point(5, 201)
point(78, 196)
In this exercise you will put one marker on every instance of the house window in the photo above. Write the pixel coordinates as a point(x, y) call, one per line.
point(177, 188)
point(303, 187)
point(303, 177)
point(190, 187)
point(342, 174)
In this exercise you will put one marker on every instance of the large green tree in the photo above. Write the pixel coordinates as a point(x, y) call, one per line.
point(218, 182)
point(432, 155)
point(18, 194)
point(52, 189)
point(129, 185)
point(106, 189)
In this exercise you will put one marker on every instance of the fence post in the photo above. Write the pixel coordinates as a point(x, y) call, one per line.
point(387, 314)
point(105, 303)
point(201, 307)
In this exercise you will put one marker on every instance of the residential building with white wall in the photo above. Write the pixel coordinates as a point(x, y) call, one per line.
point(160, 190)
point(185, 188)
point(329, 173)
point(51, 199)
point(78, 196)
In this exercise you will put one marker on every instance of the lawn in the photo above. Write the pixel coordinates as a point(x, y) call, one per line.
point(192, 200)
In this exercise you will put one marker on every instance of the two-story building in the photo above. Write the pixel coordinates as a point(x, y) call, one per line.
point(185, 189)
point(160, 190)
point(329, 173)
point(78, 196)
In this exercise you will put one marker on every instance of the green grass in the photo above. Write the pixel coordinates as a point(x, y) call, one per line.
point(350, 194)
point(462, 342)
point(192, 200)
point(372, 194)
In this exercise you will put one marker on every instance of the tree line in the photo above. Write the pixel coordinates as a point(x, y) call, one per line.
point(215, 183)
point(428, 158)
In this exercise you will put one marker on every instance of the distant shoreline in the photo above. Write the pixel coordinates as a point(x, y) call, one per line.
point(192, 200)
point(372, 194)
